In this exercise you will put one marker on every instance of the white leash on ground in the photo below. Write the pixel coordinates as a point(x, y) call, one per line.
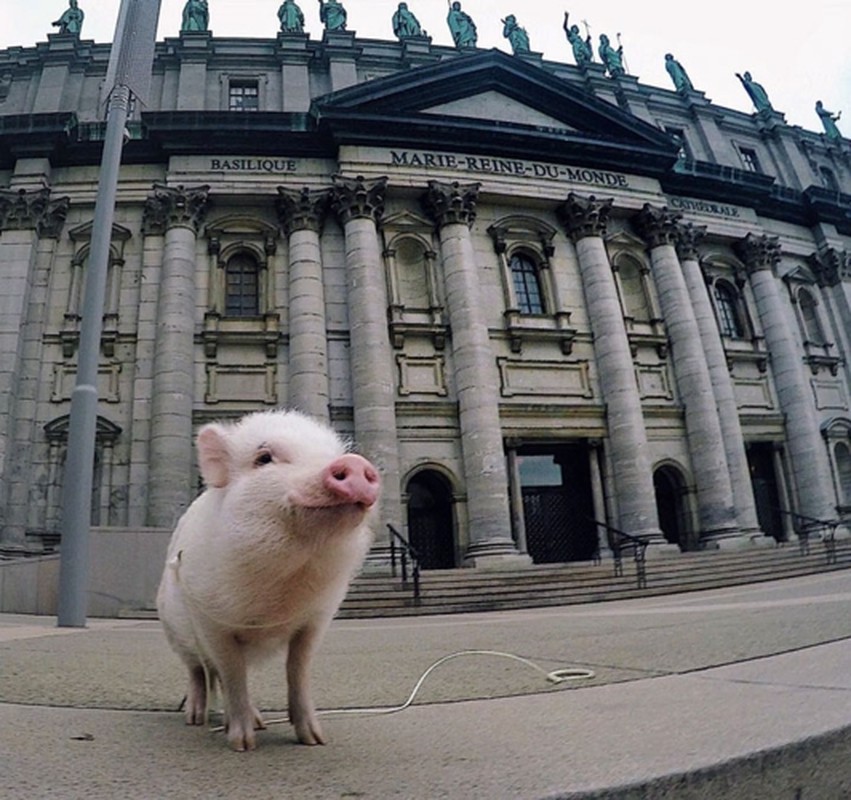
point(562, 675)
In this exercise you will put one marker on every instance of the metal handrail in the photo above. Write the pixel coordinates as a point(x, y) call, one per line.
point(639, 545)
point(805, 525)
point(406, 551)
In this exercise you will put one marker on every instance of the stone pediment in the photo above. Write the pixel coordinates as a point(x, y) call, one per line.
point(495, 103)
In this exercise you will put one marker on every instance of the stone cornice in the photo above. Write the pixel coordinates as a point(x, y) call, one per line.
point(584, 216)
point(175, 207)
point(448, 203)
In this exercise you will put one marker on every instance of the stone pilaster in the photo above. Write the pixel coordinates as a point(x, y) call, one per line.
point(27, 218)
point(175, 214)
point(359, 205)
point(585, 221)
point(808, 459)
point(453, 207)
point(688, 237)
point(301, 214)
point(832, 269)
point(659, 228)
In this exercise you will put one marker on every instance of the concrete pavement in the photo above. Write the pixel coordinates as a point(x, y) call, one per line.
point(734, 693)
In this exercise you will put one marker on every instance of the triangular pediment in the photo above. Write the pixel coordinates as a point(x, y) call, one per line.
point(496, 103)
point(493, 105)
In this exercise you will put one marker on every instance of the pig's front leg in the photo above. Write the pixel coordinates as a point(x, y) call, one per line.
point(241, 718)
point(196, 696)
point(301, 710)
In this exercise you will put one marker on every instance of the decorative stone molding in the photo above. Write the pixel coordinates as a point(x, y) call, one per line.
point(583, 217)
point(22, 210)
point(657, 225)
point(448, 203)
point(688, 238)
point(830, 266)
point(302, 209)
point(358, 198)
point(175, 207)
point(758, 252)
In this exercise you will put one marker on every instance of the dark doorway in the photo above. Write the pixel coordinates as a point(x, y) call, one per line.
point(557, 503)
point(670, 491)
point(765, 490)
point(431, 531)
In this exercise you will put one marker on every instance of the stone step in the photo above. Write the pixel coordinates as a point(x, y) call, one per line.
point(467, 590)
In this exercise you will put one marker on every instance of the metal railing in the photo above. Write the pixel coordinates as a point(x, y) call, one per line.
point(805, 527)
point(620, 543)
point(406, 553)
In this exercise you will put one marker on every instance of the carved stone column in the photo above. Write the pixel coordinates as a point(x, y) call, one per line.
point(832, 268)
point(585, 221)
point(27, 220)
point(359, 205)
point(808, 458)
point(301, 214)
point(658, 227)
point(176, 214)
point(687, 238)
point(453, 207)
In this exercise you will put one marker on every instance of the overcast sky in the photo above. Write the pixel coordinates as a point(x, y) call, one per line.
point(799, 52)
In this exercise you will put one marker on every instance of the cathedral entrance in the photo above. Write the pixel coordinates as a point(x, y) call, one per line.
point(670, 489)
point(431, 529)
point(765, 490)
point(558, 507)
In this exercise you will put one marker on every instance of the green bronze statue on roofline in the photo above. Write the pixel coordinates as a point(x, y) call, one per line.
point(405, 24)
point(756, 92)
point(583, 53)
point(71, 20)
point(196, 16)
point(517, 36)
point(291, 17)
point(333, 15)
point(462, 27)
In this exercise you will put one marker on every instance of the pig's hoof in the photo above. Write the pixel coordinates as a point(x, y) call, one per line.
point(309, 732)
point(241, 737)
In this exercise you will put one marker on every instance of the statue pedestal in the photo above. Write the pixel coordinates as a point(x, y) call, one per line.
point(292, 42)
point(339, 39)
point(415, 46)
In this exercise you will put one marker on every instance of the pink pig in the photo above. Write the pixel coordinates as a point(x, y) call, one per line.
point(261, 561)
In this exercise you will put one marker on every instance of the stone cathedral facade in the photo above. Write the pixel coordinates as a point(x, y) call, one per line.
point(538, 297)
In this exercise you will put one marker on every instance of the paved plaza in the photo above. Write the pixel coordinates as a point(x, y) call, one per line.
point(736, 693)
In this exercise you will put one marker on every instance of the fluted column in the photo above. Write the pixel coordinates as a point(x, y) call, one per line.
point(658, 227)
point(176, 214)
point(301, 214)
point(585, 221)
point(359, 205)
point(687, 238)
point(26, 217)
point(807, 451)
point(453, 207)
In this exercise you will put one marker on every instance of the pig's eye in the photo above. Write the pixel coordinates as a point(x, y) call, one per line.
point(262, 458)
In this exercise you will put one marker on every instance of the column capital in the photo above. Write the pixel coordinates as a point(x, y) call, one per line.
point(302, 209)
point(657, 225)
point(830, 266)
point(22, 210)
point(448, 203)
point(758, 252)
point(584, 216)
point(689, 237)
point(358, 198)
point(175, 207)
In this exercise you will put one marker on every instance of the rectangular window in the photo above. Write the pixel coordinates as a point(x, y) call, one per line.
point(680, 136)
point(243, 96)
point(749, 159)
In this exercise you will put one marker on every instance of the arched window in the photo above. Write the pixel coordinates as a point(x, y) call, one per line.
point(242, 286)
point(828, 179)
point(727, 305)
point(843, 467)
point(809, 316)
point(526, 277)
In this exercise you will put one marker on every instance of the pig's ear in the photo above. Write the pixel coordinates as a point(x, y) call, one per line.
point(213, 455)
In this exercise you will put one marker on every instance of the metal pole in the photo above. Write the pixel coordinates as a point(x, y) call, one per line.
point(79, 466)
point(129, 70)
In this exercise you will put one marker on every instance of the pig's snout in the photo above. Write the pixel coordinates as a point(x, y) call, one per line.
point(352, 479)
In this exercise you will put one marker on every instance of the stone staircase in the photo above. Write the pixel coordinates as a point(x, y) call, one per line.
point(460, 590)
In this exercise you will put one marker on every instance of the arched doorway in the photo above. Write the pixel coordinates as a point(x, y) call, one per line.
point(670, 489)
point(431, 530)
